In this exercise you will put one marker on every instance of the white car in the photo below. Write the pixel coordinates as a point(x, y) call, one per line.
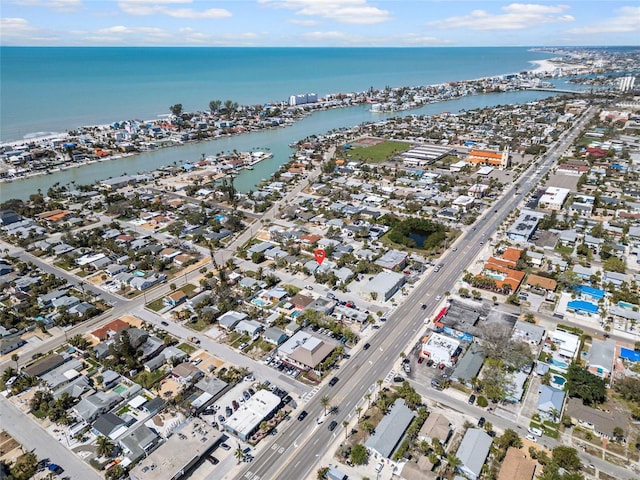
point(379, 467)
point(531, 438)
point(439, 297)
point(535, 431)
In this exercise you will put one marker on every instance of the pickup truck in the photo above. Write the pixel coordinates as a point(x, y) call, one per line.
point(195, 340)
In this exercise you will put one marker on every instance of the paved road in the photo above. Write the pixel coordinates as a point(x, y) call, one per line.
point(293, 460)
point(33, 437)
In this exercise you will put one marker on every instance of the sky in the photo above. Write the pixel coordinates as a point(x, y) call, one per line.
point(318, 23)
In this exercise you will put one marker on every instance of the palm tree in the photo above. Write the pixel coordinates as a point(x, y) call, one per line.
point(453, 461)
point(379, 382)
point(239, 454)
point(325, 403)
point(345, 424)
point(105, 447)
point(358, 411)
point(15, 357)
point(368, 397)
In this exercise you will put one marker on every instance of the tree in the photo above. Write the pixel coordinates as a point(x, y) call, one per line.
point(509, 438)
point(529, 317)
point(15, 357)
point(566, 457)
point(359, 454)
point(115, 473)
point(325, 401)
point(239, 454)
point(176, 109)
point(25, 467)
point(104, 446)
point(585, 385)
point(367, 427)
point(614, 264)
point(321, 474)
point(453, 461)
point(345, 424)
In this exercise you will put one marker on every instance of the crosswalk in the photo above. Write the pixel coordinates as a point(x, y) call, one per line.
point(310, 394)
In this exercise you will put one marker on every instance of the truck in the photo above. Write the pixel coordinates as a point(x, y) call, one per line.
point(195, 340)
point(55, 468)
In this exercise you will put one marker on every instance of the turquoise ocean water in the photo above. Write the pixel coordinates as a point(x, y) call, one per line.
point(56, 89)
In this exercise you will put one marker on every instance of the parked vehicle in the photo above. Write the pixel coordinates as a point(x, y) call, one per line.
point(333, 381)
point(332, 426)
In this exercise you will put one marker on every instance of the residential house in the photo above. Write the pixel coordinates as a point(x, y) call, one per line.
point(9, 344)
point(109, 425)
point(601, 357)
point(473, 452)
point(528, 332)
point(110, 330)
point(138, 442)
point(603, 423)
point(186, 373)
point(538, 282)
point(392, 260)
point(550, 403)
point(274, 336)
point(249, 327)
point(230, 319)
point(469, 365)
point(517, 466)
point(436, 426)
point(100, 402)
point(45, 365)
point(390, 431)
point(175, 298)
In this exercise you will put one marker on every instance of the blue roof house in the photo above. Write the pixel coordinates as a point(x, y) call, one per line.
point(550, 403)
point(582, 307)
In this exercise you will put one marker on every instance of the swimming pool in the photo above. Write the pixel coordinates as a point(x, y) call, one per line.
point(259, 302)
point(558, 363)
point(219, 218)
point(558, 380)
point(120, 389)
point(493, 276)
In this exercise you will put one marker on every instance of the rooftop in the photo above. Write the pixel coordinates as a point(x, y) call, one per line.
point(390, 430)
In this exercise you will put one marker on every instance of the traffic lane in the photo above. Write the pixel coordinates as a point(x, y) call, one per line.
point(35, 439)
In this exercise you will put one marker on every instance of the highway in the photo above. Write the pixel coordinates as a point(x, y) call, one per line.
point(299, 444)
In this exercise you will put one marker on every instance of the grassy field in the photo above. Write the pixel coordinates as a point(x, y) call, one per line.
point(378, 153)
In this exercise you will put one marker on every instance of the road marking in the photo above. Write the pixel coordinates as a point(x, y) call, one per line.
point(274, 446)
point(249, 474)
point(281, 449)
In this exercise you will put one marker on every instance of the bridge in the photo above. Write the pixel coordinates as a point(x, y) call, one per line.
point(559, 90)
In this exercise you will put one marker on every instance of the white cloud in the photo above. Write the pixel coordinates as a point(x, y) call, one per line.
point(58, 5)
point(516, 16)
point(16, 28)
point(342, 11)
point(627, 20)
point(163, 7)
point(303, 23)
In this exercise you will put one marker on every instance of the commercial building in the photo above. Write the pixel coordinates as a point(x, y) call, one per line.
point(392, 260)
point(469, 365)
point(602, 423)
point(179, 454)
point(553, 198)
point(384, 285)
point(246, 420)
point(525, 226)
point(441, 349)
point(490, 157)
point(304, 351)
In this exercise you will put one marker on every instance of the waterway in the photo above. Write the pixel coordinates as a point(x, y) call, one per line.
point(276, 140)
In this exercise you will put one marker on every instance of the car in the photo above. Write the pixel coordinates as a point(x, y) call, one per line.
point(379, 467)
point(246, 395)
point(308, 287)
point(243, 346)
point(213, 460)
point(420, 360)
point(332, 426)
point(333, 381)
point(375, 327)
point(224, 446)
point(302, 415)
point(535, 431)
point(366, 346)
point(495, 211)
point(481, 421)
point(481, 243)
point(438, 297)
point(472, 399)
point(424, 306)
point(430, 363)
point(221, 419)
point(383, 319)
point(398, 379)
point(165, 323)
point(55, 468)
point(229, 411)
point(531, 438)
point(454, 249)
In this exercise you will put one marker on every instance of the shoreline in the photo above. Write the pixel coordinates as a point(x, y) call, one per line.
point(386, 100)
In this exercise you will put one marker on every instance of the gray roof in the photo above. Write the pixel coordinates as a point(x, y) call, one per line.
point(106, 424)
point(529, 331)
point(550, 399)
point(470, 364)
point(136, 440)
point(390, 430)
point(231, 318)
point(602, 353)
point(211, 385)
point(88, 408)
point(473, 450)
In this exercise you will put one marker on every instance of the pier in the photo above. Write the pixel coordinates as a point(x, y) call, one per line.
point(559, 90)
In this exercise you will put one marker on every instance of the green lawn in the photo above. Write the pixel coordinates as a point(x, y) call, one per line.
point(187, 348)
point(156, 305)
point(378, 153)
point(147, 379)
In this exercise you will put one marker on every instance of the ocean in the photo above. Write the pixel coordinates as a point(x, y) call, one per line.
point(54, 89)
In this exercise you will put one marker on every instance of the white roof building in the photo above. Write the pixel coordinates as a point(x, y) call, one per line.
point(248, 417)
point(567, 342)
point(554, 198)
point(440, 349)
